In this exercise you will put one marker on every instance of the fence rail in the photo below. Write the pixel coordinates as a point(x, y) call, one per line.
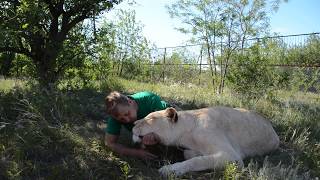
point(276, 65)
point(250, 39)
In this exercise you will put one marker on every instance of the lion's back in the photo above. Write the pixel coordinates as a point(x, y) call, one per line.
point(248, 131)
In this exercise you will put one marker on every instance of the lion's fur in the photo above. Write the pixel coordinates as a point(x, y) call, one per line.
point(212, 136)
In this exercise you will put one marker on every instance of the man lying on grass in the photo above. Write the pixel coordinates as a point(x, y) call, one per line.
point(124, 111)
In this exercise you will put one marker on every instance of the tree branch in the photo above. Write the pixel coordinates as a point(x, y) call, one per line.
point(67, 26)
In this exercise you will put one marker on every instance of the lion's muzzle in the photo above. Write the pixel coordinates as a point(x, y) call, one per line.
point(136, 138)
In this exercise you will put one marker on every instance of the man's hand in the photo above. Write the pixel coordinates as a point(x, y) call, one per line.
point(111, 141)
point(150, 139)
point(143, 154)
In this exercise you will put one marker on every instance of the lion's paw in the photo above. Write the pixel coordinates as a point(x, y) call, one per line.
point(173, 169)
point(165, 170)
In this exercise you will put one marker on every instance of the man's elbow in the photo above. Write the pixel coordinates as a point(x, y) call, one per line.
point(115, 147)
point(110, 142)
point(106, 142)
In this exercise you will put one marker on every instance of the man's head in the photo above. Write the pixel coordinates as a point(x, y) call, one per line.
point(121, 107)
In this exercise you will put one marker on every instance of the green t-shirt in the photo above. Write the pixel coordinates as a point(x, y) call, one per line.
point(147, 102)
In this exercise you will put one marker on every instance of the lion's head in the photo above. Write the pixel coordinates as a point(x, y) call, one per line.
point(161, 123)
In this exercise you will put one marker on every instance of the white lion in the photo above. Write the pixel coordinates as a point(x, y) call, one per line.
point(212, 137)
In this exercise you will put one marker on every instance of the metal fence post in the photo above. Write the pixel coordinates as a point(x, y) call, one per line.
point(164, 64)
point(200, 66)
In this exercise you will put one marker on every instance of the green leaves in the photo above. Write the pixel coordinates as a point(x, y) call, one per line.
point(38, 29)
point(250, 74)
point(24, 26)
point(122, 43)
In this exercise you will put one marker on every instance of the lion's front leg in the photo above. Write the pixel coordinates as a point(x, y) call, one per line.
point(199, 163)
point(188, 154)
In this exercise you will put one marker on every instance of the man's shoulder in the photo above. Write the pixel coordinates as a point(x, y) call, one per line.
point(113, 126)
point(143, 94)
point(112, 123)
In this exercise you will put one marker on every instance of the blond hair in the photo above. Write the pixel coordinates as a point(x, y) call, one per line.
point(113, 100)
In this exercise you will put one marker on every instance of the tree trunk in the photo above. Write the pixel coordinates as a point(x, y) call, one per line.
point(46, 74)
point(210, 62)
point(212, 47)
point(46, 64)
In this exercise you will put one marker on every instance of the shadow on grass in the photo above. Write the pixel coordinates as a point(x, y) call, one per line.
point(41, 138)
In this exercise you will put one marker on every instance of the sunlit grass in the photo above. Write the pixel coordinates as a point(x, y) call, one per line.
point(189, 95)
point(8, 84)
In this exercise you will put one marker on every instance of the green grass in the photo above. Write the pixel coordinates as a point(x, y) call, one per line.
point(53, 134)
point(8, 84)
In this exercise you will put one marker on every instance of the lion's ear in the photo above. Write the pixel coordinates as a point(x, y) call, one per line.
point(172, 114)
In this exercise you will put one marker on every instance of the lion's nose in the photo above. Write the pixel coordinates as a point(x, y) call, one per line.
point(136, 139)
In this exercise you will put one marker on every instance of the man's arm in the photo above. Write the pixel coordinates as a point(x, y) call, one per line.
point(112, 142)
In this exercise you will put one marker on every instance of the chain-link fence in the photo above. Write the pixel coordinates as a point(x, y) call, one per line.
point(297, 56)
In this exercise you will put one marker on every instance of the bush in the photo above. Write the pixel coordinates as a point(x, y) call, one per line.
point(250, 74)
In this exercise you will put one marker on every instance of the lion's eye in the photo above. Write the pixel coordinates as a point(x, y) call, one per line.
point(149, 121)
